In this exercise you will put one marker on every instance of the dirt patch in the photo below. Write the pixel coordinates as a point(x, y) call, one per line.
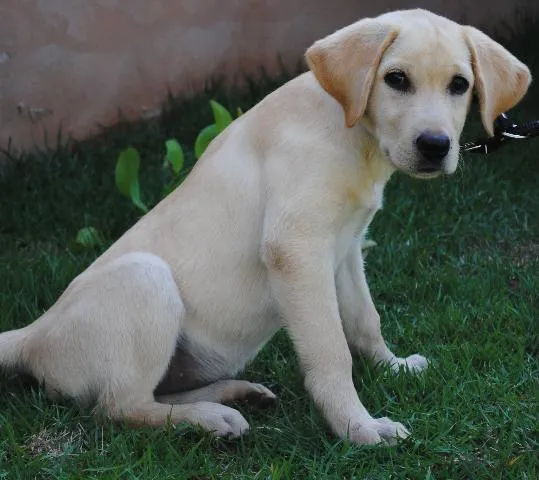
point(522, 255)
point(51, 443)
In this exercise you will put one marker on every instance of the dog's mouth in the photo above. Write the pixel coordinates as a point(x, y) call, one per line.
point(422, 171)
point(428, 169)
point(426, 174)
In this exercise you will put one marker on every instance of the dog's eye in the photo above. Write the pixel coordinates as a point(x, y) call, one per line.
point(459, 85)
point(398, 81)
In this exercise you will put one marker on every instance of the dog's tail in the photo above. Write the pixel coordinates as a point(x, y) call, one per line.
point(11, 346)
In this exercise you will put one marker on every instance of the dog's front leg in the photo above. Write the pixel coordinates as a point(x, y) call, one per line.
point(361, 321)
point(303, 286)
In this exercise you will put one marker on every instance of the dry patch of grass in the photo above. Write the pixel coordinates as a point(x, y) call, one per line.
point(524, 254)
point(56, 443)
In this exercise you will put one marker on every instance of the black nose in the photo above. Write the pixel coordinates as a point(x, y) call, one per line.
point(433, 148)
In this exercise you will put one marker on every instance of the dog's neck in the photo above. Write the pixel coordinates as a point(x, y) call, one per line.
point(374, 163)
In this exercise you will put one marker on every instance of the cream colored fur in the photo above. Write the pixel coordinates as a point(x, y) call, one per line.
point(265, 233)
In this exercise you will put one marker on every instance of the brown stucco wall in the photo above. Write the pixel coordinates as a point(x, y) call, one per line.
point(74, 63)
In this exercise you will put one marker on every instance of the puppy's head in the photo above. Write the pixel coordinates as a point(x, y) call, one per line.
point(408, 77)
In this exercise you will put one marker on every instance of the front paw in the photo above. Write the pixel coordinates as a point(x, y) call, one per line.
point(414, 364)
point(377, 430)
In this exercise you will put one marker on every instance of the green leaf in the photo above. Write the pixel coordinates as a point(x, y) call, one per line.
point(127, 168)
point(174, 155)
point(222, 116)
point(204, 138)
point(239, 112)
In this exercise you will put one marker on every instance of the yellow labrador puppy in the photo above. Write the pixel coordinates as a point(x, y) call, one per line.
point(266, 232)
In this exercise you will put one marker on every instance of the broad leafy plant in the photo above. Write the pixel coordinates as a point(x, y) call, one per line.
point(128, 166)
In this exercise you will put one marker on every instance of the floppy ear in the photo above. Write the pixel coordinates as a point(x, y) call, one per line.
point(345, 63)
point(501, 80)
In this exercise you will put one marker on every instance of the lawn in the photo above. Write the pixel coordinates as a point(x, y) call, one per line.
point(455, 276)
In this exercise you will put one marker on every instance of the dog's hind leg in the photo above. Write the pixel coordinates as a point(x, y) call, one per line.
point(215, 418)
point(112, 335)
point(224, 391)
point(11, 346)
point(115, 326)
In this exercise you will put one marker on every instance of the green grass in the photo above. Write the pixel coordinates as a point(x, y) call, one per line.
point(455, 277)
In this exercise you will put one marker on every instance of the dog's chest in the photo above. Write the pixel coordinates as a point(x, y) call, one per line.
point(357, 221)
